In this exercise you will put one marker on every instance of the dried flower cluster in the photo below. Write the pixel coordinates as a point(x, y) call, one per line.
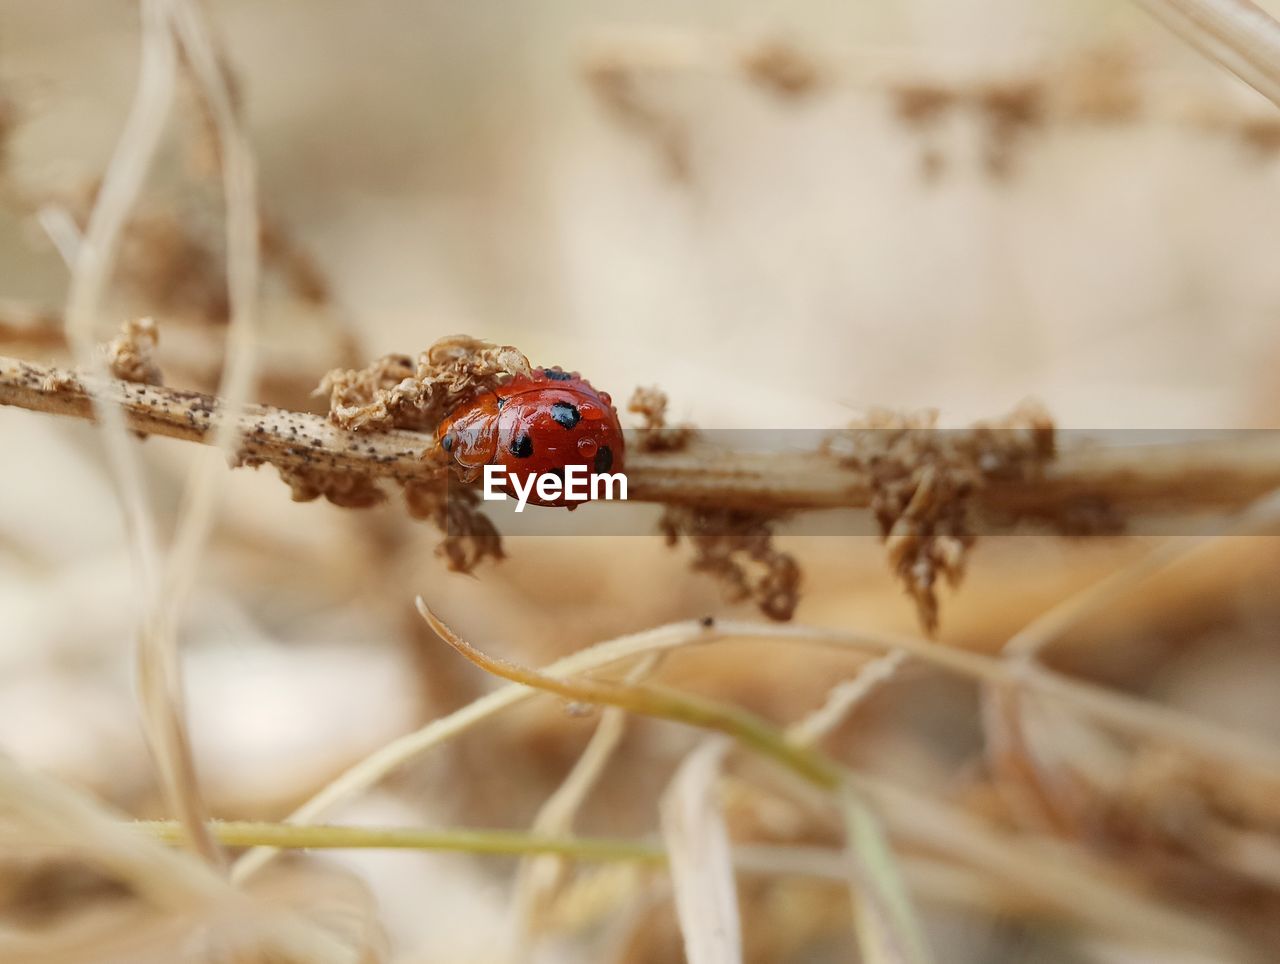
point(349, 490)
point(470, 536)
point(924, 480)
point(131, 354)
point(395, 392)
point(734, 546)
point(737, 548)
point(654, 434)
point(398, 392)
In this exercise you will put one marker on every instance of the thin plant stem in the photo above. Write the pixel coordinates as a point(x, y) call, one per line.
point(1239, 35)
point(886, 915)
point(159, 680)
point(1212, 475)
point(248, 833)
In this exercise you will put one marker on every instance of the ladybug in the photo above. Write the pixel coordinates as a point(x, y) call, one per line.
point(533, 425)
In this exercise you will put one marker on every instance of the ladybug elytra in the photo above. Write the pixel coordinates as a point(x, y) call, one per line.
point(534, 425)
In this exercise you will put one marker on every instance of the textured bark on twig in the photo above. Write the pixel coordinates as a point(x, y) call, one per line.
point(1221, 474)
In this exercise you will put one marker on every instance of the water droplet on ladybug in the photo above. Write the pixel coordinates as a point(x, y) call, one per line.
point(590, 411)
point(587, 447)
point(606, 398)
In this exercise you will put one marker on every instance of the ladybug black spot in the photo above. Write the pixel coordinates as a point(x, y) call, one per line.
point(604, 459)
point(557, 376)
point(566, 415)
point(522, 447)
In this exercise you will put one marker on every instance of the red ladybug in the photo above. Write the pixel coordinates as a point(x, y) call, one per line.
point(534, 425)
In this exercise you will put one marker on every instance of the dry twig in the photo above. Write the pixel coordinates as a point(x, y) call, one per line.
point(1221, 474)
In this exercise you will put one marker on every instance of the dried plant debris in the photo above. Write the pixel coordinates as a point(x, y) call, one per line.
point(171, 255)
point(737, 548)
point(1101, 86)
point(398, 392)
point(172, 259)
point(617, 84)
point(469, 535)
point(1262, 135)
point(131, 354)
point(922, 104)
point(1176, 820)
point(43, 892)
point(341, 488)
point(166, 262)
point(654, 434)
point(923, 481)
point(202, 142)
point(782, 68)
point(300, 271)
point(1008, 111)
point(8, 123)
point(1096, 87)
point(922, 107)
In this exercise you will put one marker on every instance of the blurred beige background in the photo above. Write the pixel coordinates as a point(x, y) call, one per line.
point(450, 168)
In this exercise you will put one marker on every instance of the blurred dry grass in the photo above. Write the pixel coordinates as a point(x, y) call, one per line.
point(771, 257)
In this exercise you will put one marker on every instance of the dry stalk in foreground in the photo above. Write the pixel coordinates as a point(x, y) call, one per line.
point(1053, 872)
point(1217, 475)
point(1080, 887)
point(169, 27)
point(887, 924)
